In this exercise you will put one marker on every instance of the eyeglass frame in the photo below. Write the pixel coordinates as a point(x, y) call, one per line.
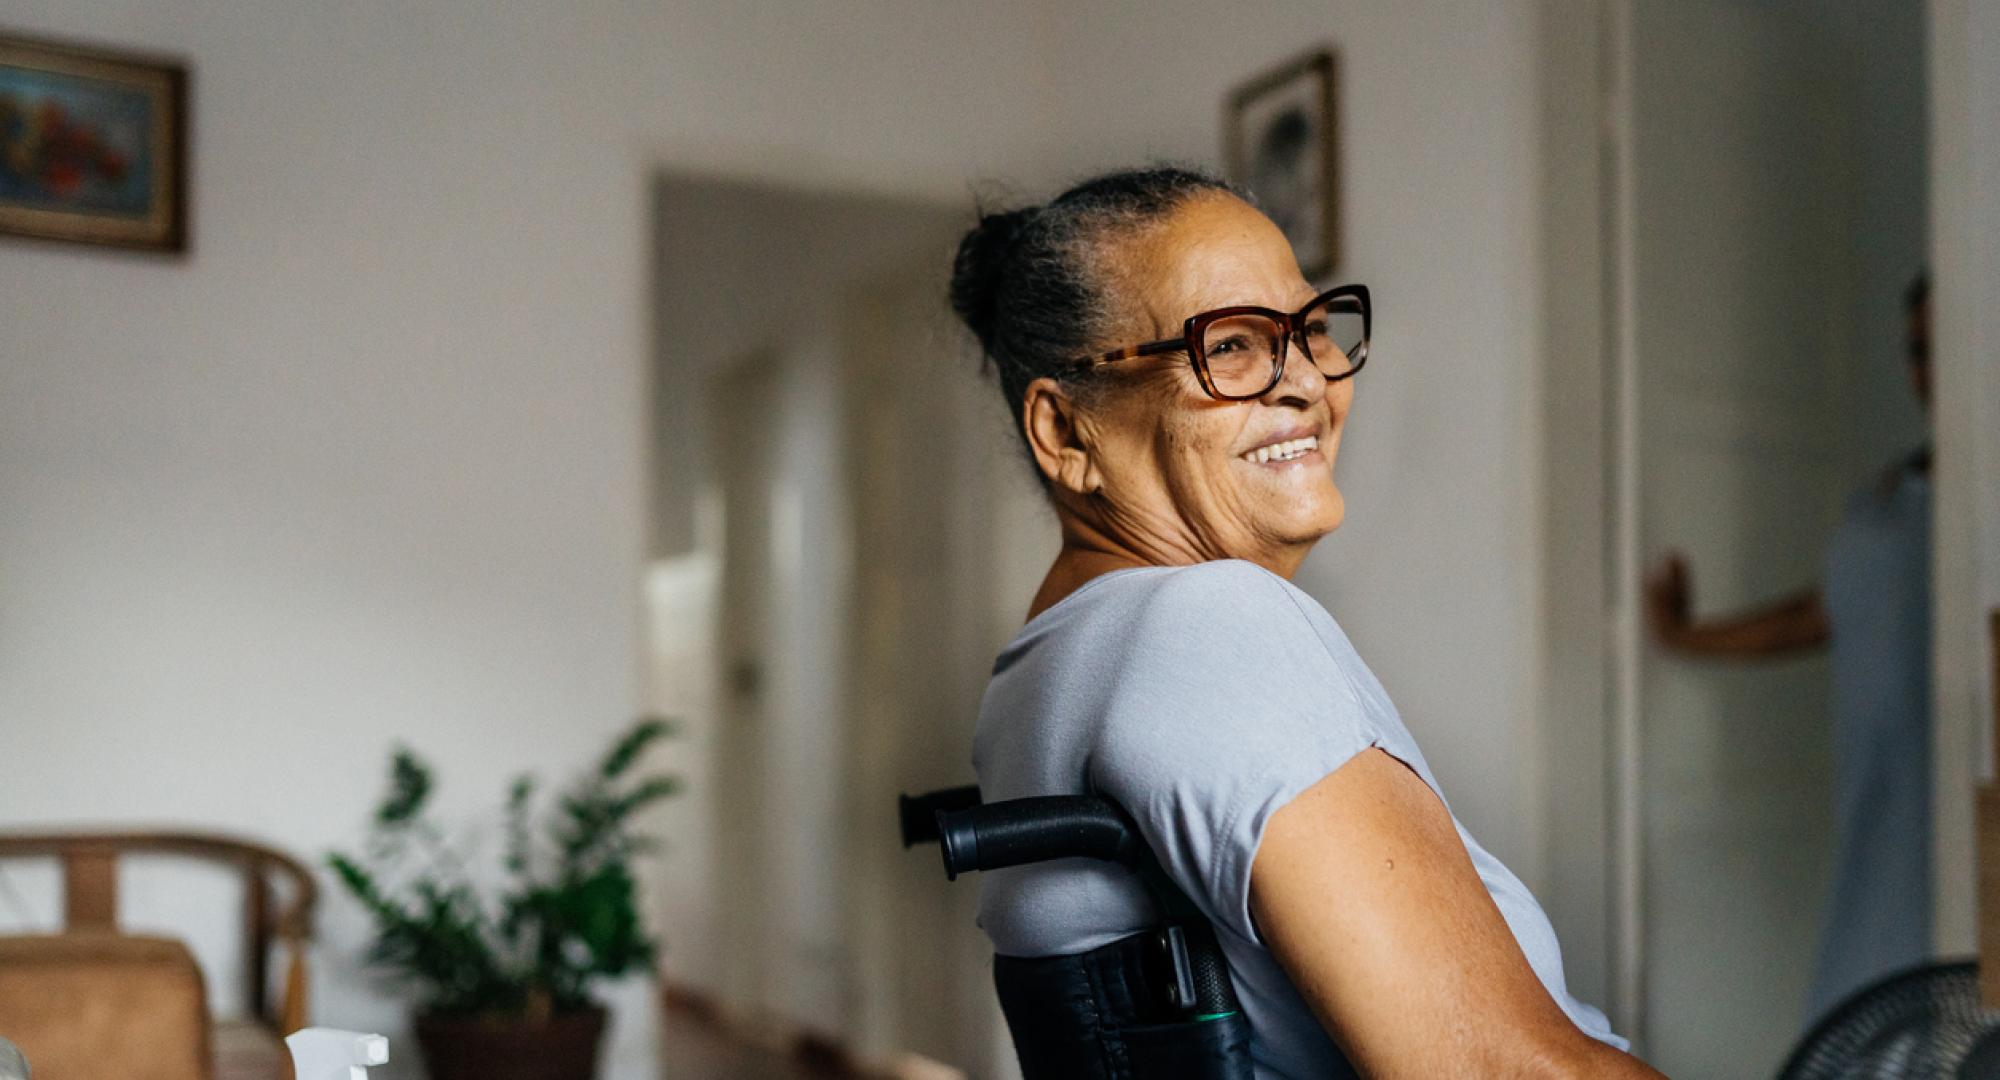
point(1196, 325)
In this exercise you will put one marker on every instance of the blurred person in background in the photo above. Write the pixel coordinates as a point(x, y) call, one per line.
point(1873, 612)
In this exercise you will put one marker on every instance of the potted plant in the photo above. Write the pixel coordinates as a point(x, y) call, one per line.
point(504, 972)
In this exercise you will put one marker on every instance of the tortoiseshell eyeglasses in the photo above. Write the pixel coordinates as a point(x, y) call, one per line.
point(1239, 352)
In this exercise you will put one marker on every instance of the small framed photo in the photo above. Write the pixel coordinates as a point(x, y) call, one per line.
point(93, 145)
point(1281, 144)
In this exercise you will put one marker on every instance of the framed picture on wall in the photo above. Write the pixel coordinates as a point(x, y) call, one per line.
point(93, 145)
point(1281, 143)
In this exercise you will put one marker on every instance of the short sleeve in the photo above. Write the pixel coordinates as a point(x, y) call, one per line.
point(1226, 705)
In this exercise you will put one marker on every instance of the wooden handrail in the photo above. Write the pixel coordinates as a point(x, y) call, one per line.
point(90, 898)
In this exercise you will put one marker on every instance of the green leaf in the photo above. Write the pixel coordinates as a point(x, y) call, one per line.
point(651, 790)
point(409, 789)
point(518, 842)
point(627, 749)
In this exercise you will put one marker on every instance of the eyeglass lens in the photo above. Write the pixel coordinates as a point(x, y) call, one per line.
point(1243, 351)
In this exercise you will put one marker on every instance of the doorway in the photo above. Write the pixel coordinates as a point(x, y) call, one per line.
point(831, 476)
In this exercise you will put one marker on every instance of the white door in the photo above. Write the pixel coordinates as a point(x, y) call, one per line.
point(779, 784)
point(744, 851)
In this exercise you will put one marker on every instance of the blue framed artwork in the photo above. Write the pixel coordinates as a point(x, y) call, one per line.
point(93, 145)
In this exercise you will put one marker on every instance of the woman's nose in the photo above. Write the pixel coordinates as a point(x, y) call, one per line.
point(1300, 383)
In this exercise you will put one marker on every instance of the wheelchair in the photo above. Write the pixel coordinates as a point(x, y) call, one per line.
point(1157, 1004)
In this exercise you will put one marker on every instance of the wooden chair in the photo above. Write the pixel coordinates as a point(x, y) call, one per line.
point(273, 914)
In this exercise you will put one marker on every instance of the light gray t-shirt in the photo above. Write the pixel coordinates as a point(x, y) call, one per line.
point(1878, 603)
point(1201, 699)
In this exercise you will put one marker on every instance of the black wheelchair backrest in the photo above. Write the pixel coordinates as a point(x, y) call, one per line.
point(1156, 1004)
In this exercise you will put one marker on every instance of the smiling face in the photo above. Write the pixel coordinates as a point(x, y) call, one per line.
point(1153, 463)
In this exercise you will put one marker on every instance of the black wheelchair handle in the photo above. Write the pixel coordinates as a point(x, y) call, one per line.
point(918, 813)
point(1003, 834)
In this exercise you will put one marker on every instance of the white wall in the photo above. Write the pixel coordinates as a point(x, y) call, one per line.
point(369, 463)
point(362, 467)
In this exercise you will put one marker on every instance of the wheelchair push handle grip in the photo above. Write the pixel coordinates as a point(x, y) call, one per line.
point(917, 814)
point(1018, 831)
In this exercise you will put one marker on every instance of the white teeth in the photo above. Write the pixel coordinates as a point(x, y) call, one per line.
point(1284, 451)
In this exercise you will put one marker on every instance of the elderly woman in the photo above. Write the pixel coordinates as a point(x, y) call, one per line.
point(1182, 390)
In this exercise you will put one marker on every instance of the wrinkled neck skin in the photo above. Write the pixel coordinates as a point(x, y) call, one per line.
point(1093, 543)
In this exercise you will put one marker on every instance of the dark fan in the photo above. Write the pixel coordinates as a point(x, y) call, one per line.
point(1923, 1023)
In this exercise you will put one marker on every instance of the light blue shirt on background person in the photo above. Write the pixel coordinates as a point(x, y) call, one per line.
point(1201, 699)
point(1878, 608)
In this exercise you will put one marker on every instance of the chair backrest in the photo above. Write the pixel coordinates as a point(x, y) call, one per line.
point(90, 899)
point(97, 1006)
point(1159, 1004)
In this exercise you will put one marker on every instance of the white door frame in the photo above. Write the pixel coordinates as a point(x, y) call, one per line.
point(1590, 629)
point(1965, 336)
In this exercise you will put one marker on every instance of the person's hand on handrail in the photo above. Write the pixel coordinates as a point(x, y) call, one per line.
point(1792, 624)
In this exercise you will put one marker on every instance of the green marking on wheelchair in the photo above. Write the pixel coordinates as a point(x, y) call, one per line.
point(1216, 1016)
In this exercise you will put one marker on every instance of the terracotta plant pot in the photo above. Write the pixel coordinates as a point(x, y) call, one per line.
point(563, 1047)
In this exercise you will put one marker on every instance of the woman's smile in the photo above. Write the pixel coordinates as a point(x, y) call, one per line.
point(1291, 455)
point(1296, 447)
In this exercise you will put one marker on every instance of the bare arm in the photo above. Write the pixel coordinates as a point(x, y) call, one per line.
point(1371, 904)
point(1792, 624)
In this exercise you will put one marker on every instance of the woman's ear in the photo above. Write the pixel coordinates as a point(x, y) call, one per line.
point(1056, 436)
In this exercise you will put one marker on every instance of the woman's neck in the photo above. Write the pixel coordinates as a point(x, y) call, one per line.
point(1089, 552)
point(1072, 568)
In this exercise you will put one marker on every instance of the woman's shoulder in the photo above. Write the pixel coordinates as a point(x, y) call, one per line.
point(1223, 627)
point(1218, 592)
point(1244, 602)
point(1222, 638)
